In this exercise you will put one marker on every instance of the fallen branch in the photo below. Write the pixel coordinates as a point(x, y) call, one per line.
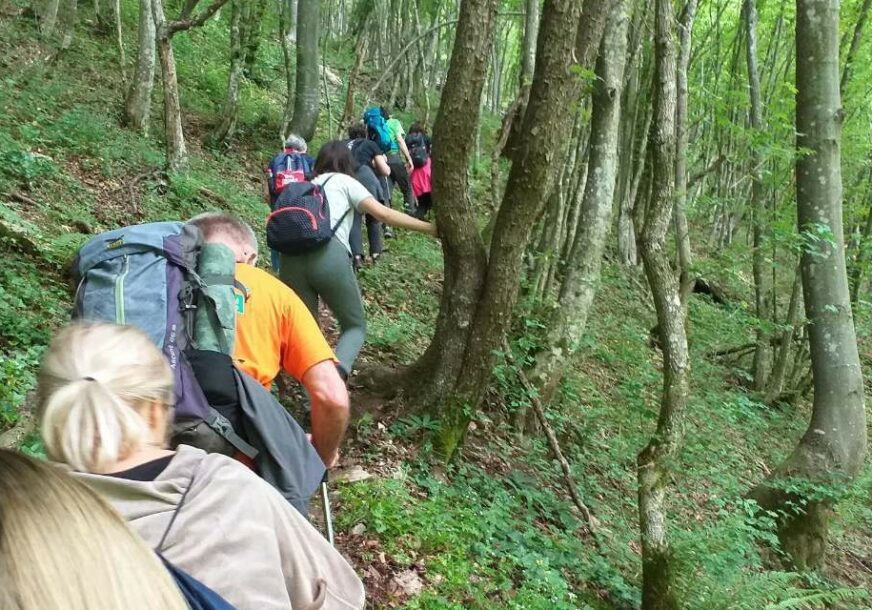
point(22, 198)
point(12, 438)
point(212, 196)
point(729, 351)
point(539, 410)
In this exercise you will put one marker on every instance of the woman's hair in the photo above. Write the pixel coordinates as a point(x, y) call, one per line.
point(94, 380)
point(63, 548)
point(295, 142)
point(334, 157)
point(417, 127)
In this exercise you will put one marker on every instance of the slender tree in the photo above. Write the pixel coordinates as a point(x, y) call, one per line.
point(307, 91)
point(176, 151)
point(137, 104)
point(832, 450)
point(762, 272)
point(654, 463)
point(567, 324)
point(682, 231)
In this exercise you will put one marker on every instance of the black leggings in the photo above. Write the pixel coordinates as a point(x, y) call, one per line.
point(400, 177)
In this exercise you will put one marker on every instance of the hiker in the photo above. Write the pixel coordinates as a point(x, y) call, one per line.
point(418, 143)
point(275, 331)
point(371, 165)
point(326, 272)
point(62, 547)
point(293, 164)
point(389, 134)
point(104, 395)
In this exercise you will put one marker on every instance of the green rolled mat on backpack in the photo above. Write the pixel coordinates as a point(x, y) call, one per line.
point(215, 319)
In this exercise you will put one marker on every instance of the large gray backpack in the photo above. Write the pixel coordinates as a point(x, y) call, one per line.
point(161, 278)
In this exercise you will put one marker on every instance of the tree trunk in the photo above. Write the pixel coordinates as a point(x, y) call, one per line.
point(177, 154)
point(48, 19)
point(251, 40)
point(360, 55)
point(307, 98)
point(462, 246)
point(531, 32)
point(862, 247)
point(779, 368)
point(137, 106)
point(549, 114)
point(229, 111)
point(119, 41)
point(833, 448)
point(682, 231)
point(528, 63)
point(762, 278)
point(655, 461)
point(69, 17)
point(288, 35)
point(855, 44)
point(583, 265)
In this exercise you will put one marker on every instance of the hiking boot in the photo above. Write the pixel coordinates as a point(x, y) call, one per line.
point(389, 232)
point(357, 262)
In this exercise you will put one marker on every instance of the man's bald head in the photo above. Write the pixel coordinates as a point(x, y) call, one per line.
point(217, 227)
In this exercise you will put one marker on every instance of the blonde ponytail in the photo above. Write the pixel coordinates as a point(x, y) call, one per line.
point(94, 380)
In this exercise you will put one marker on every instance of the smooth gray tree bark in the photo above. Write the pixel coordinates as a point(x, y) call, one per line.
point(682, 231)
point(833, 449)
point(583, 265)
point(762, 272)
point(655, 463)
point(137, 105)
point(307, 91)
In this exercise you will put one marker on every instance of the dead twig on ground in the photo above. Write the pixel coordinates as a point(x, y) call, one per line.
point(539, 410)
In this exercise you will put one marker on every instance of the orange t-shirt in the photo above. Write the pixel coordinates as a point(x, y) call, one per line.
point(274, 329)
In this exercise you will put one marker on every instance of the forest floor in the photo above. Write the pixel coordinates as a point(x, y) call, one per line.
point(496, 529)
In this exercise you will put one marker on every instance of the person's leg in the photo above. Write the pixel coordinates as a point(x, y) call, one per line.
point(374, 233)
point(334, 280)
point(355, 239)
point(400, 176)
point(386, 191)
point(425, 202)
point(293, 272)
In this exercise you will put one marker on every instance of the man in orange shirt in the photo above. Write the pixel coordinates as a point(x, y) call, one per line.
point(275, 331)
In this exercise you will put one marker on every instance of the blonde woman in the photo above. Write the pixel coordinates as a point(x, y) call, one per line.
point(104, 393)
point(63, 548)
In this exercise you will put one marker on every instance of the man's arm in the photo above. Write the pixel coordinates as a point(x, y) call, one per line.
point(406, 154)
point(266, 196)
point(380, 165)
point(330, 409)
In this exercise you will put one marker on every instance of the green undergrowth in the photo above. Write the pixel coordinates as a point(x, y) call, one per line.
point(500, 532)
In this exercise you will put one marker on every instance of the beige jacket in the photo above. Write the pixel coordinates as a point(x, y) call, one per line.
point(234, 533)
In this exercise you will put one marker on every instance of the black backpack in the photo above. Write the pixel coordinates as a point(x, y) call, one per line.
point(418, 150)
point(300, 221)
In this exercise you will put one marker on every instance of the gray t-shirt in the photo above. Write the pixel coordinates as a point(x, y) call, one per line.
point(342, 192)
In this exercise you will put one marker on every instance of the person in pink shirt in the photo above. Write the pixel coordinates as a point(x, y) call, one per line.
point(418, 143)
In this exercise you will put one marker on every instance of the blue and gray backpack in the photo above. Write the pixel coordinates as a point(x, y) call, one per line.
point(156, 277)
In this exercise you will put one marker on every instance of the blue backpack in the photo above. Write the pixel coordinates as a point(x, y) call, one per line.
point(147, 276)
point(378, 128)
point(286, 168)
point(197, 595)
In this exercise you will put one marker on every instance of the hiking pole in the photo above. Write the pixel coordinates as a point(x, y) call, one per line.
point(325, 502)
